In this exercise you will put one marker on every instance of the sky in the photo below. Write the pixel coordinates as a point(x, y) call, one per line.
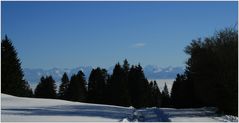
point(72, 34)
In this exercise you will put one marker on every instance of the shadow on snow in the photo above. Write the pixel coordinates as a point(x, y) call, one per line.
point(75, 110)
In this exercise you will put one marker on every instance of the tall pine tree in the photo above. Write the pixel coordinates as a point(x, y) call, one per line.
point(213, 70)
point(77, 88)
point(97, 86)
point(156, 95)
point(165, 97)
point(139, 88)
point(118, 91)
point(12, 81)
point(64, 85)
point(46, 88)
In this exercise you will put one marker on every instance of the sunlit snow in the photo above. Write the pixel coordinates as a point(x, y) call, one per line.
point(52, 110)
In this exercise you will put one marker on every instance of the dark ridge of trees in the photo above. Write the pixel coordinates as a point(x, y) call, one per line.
point(155, 95)
point(182, 93)
point(97, 86)
point(211, 73)
point(64, 86)
point(77, 88)
point(139, 88)
point(166, 101)
point(46, 88)
point(117, 87)
point(125, 87)
point(12, 81)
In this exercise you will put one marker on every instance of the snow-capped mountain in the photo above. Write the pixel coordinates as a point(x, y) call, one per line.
point(34, 75)
point(152, 72)
point(156, 72)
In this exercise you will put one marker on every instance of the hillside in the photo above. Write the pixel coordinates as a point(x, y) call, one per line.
point(40, 110)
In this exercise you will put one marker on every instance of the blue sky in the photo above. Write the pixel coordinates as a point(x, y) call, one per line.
point(72, 34)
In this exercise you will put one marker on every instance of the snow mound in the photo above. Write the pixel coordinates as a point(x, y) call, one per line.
point(52, 110)
point(131, 107)
point(125, 120)
point(228, 118)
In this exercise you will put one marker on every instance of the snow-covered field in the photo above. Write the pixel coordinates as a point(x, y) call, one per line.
point(40, 110)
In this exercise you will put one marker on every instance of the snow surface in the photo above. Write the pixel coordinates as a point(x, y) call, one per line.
point(52, 110)
point(205, 114)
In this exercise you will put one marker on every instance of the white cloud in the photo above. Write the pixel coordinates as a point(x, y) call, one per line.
point(139, 45)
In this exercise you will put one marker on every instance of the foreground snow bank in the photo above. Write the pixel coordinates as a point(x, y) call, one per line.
point(52, 110)
point(33, 110)
point(205, 114)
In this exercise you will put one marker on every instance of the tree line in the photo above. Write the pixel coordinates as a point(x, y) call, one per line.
point(211, 74)
point(127, 86)
point(210, 79)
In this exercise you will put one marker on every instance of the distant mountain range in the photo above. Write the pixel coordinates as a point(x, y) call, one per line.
point(152, 72)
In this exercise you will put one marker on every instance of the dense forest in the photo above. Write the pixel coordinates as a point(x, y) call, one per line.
point(210, 79)
point(211, 75)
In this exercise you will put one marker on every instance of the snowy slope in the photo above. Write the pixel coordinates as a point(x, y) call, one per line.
point(30, 109)
point(205, 114)
point(40, 110)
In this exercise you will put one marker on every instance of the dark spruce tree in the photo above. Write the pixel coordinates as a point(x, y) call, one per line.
point(213, 70)
point(63, 87)
point(12, 81)
point(182, 93)
point(97, 86)
point(176, 92)
point(165, 97)
point(126, 68)
point(46, 88)
point(139, 88)
point(156, 94)
point(77, 88)
point(151, 95)
point(117, 88)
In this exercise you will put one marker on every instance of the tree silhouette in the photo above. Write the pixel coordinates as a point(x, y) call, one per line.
point(64, 85)
point(138, 87)
point(118, 92)
point(182, 93)
point(46, 88)
point(212, 68)
point(12, 81)
point(77, 88)
point(165, 97)
point(156, 95)
point(97, 86)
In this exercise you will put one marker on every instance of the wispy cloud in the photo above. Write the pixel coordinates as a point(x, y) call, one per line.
point(139, 45)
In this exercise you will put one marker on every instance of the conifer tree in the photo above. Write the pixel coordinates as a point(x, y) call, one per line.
point(176, 92)
point(77, 88)
point(138, 87)
point(165, 97)
point(97, 86)
point(156, 95)
point(126, 66)
point(213, 68)
point(64, 85)
point(117, 87)
point(12, 81)
point(46, 88)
